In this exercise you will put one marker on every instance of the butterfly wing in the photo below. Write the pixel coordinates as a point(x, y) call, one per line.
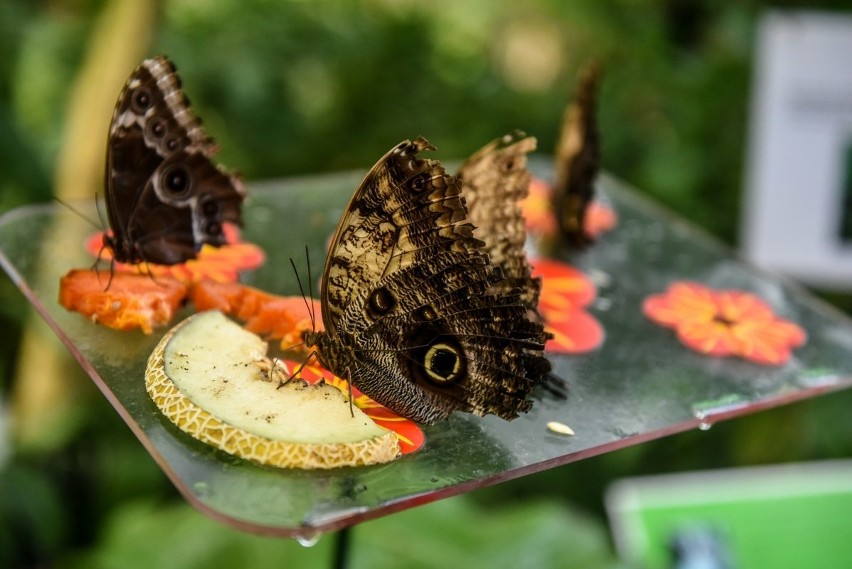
point(495, 180)
point(165, 196)
point(410, 306)
point(577, 160)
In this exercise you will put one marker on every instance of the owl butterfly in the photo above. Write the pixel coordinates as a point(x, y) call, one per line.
point(415, 312)
point(165, 197)
point(577, 160)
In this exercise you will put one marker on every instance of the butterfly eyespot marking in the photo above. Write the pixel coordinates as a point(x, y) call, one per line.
point(176, 180)
point(418, 184)
point(443, 363)
point(426, 313)
point(380, 302)
point(141, 100)
point(158, 129)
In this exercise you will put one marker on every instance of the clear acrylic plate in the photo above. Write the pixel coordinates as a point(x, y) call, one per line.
point(641, 384)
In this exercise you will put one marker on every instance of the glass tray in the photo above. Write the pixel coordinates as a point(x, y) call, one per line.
point(640, 385)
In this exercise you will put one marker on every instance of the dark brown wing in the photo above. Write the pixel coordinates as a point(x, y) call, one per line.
point(165, 197)
point(577, 160)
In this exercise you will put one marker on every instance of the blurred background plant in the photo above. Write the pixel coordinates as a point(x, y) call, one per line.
point(291, 88)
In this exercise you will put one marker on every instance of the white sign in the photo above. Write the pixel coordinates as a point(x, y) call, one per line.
point(798, 211)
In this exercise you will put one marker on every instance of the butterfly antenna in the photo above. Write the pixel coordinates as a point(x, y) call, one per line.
point(293, 347)
point(100, 212)
point(82, 215)
point(310, 290)
point(304, 297)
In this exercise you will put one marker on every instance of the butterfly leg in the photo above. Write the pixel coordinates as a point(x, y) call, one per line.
point(298, 370)
point(111, 273)
point(349, 384)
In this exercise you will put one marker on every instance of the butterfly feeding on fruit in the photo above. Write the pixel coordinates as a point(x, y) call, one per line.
point(165, 197)
point(416, 313)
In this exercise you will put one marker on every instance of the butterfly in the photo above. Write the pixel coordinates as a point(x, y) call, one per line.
point(416, 314)
point(165, 197)
point(577, 160)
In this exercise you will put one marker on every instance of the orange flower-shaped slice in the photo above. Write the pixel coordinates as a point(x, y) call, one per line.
point(281, 317)
point(565, 294)
point(220, 264)
point(122, 301)
point(725, 323)
point(411, 437)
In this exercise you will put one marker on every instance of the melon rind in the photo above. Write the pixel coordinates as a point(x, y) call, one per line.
point(326, 444)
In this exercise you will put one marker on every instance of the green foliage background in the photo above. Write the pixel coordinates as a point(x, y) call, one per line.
point(296, 87)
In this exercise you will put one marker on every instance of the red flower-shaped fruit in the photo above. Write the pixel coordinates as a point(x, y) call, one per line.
point(724, 323)
point(411, 436)
point(220, 264)
point(565, 294)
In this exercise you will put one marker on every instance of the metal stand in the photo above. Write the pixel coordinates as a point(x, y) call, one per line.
point(342, 540)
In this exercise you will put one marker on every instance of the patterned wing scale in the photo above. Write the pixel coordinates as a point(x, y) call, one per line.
point(164, 195)
point(405, 210)
point(495, 180)
point(577, 160)
point(411, 304)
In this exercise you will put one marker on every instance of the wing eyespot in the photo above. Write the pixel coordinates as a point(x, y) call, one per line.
point(380, 303)
point(173, 143)
point(443, 362)
point(158, 129)
point(508, 165)
point(176, 180)
point(426, 314)
point(418, 184)
point(141, 100)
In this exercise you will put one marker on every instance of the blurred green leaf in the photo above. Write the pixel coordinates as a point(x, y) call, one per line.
point(452, 533)
point(461, 533)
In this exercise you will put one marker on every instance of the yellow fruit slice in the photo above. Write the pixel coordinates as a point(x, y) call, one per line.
point(207, 375)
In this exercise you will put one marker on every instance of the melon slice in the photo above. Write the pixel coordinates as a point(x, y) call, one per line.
point(211, 378)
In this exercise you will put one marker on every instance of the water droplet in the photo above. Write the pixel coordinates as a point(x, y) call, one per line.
point(704, 426)
point(308, 540)
point(202, 490)
point(721, 405)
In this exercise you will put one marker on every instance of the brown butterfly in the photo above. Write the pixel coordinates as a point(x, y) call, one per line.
point(577, 160)
point(415, 312)
point(165, 197)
